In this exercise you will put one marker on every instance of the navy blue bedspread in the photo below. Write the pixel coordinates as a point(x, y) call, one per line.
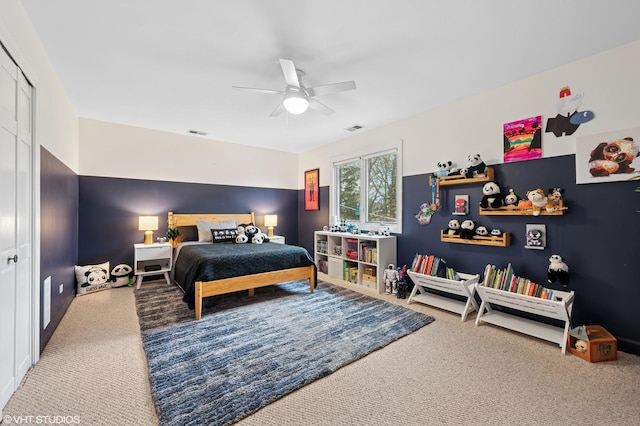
point(208, 262)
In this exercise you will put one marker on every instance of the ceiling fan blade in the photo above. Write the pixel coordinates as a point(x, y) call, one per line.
point(319, 106)
point(254, 89)
point(290, 73)
point(331, 88)
point(276, 112)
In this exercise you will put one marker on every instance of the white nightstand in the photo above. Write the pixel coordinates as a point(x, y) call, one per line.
point(152, 259)
point(278, 239)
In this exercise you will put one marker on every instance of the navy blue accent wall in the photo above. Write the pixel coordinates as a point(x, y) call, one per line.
point(597, 236)
point(109, 210)
point(58, 237)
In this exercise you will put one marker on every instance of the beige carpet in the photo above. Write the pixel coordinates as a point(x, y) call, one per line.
point(450, 373)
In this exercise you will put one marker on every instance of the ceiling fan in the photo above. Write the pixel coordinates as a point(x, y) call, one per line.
point(296, 98)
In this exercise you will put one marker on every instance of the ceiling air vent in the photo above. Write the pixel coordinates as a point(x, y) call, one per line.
point(198, 132)
point(354, 128)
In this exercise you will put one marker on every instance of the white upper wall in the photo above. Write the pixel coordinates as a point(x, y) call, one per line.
point(115, 150)
point(609, 82)
point(56, 120)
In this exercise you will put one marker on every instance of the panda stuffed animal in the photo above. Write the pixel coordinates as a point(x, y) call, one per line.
point(491, 197)
point(122, 275)
point(467, 229)
point(511, 199)
point(482, 231)
point(453, 228)
point(476, 166)
point(444, 168)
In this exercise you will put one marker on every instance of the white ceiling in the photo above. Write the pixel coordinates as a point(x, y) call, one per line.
point(169, 65)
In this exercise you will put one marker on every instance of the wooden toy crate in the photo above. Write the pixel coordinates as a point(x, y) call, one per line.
point(599, 345)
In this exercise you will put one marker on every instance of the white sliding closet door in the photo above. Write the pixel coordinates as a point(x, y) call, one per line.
point(15, 227)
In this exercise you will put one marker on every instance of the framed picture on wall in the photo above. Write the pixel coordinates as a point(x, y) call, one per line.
point(608, 157)
point(311, 189)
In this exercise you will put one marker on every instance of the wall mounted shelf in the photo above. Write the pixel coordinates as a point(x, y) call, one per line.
point(502, 241)
point(461, 179)
point(519, 211)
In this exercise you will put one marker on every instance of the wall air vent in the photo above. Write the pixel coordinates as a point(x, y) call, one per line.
point(354, 128)
point(198, 132)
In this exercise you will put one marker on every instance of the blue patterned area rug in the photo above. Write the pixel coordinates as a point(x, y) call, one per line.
point(246, 352)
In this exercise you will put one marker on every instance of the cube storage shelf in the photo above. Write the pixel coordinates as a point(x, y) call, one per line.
point(558, 308)
point(465, 288)
point(354, 259)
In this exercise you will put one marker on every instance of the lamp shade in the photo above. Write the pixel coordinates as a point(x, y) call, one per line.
point(148, 223)
point(295, 102)
point(270, 220)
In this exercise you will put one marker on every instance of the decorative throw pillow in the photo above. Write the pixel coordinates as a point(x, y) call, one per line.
point(91, 278)
point(224, 235)
point(188, 233)
point(205, 227)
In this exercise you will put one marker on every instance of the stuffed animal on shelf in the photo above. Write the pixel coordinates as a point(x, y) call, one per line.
point(554, 199)
point(491, 197)
point(558, 270)
point(390, 276)
point(511, 199)
point(467, 229)
point(476, 166)
point(495, 232)
point(453, 228)
point(538, 200)
point(444, 168)
point(482, 231)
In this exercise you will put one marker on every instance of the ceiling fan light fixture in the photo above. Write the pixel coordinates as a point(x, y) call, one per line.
point(295, 102)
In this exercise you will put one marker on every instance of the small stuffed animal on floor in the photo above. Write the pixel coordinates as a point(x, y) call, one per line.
point(558, 270)
point(402, 283)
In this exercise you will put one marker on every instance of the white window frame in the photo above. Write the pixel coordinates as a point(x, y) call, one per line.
point(362, 156)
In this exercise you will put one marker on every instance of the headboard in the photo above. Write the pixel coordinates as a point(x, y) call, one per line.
point(174, 219)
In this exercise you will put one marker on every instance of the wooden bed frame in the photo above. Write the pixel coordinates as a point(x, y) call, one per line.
point(246, 282)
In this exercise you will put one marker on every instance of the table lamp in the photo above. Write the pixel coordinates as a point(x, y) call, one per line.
point(148, 224)
point(270, 220)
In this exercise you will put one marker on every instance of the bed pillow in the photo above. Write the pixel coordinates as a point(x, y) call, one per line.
point(205, 227)
point(188, 233)
point(224, 235)
point(92, 278)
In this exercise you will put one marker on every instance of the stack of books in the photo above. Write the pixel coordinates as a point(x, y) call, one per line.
point(505, 279)
point(434, 266)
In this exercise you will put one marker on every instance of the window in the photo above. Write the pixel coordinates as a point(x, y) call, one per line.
point(367, 190)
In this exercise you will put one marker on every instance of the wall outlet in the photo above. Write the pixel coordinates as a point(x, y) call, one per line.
point(61, 289)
